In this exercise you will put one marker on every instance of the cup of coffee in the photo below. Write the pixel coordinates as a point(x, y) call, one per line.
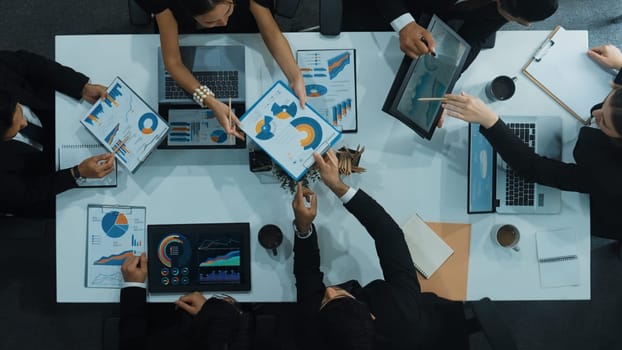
point(506, 236)
point(270, 237)
point(500, 88)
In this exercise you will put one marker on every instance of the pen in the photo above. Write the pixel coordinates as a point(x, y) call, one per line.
point(229, 118)
point(427, 99)
point(426, 44)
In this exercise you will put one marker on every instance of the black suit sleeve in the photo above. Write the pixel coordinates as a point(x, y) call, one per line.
point(310, 288)
point(618, 79)
point(546, 171)
point(133, 320)
point(44, 74)
point(395, 260)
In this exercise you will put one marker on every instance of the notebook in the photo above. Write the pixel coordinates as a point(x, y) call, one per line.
point(427, 250)
point(114, 233)
point(558, 258)
point(72, 155)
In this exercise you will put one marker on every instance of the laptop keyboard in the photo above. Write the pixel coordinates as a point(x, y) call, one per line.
point(224, 84)
point(518, 191)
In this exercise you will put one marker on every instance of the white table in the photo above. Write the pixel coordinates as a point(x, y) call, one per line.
point(405, 173)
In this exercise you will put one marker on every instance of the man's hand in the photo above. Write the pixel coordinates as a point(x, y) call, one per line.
point(221, 111)
point(191, 303)
point(92, 92)
point(470, 109)
point(329, 172)
point(97, 166)
point(303, 214)
point(606, 55)
point(134, 269)
point(298, 85)
point(416, 41)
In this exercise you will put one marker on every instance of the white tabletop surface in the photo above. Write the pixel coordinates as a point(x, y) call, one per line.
point(404, 172)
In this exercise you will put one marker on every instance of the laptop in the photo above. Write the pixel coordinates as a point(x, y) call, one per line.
point(493, 186)
point(222, 69)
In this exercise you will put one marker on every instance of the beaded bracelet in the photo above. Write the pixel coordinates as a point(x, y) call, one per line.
point(200, 94)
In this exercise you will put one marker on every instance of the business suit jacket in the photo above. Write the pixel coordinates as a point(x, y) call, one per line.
point(406, 318)
point(597, 170)
point(481, 18)
point(28, 182)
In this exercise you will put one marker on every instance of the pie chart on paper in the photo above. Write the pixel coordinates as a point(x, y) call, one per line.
point(114, 224)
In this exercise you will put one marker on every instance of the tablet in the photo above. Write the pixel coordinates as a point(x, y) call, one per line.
point(199, 257)
point(427, 76)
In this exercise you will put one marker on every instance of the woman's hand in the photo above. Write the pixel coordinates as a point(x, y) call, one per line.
point(606, 55)
point(221, 111)
point(470, 109)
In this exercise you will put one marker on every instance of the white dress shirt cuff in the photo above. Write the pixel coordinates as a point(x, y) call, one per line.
point(134, 284)
point(348, 195)
point(401, 22)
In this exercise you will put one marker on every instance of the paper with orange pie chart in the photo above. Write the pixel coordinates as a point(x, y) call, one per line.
point(288, 133)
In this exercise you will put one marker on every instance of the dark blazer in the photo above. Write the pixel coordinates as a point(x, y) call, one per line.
point(28, 182)
point(481, 18)
point(406, 318)
point(597, 170)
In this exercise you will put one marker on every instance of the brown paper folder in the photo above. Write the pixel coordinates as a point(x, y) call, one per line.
point(450, 280)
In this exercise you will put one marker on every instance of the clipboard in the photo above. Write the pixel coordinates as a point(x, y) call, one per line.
point(562, 69)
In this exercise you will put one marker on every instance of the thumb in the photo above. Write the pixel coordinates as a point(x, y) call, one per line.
point(143, 262)
point(318, 159)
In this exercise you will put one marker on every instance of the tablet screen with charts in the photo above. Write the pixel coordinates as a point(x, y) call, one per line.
point(203, 257)
point(427, 77)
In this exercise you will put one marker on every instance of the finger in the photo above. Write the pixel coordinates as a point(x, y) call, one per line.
point(319, 160)
point(143, 262)
point(441, 120)
point(314, 203)
point(421, 46)
point(299, 191)
point(332, 157)
point(103, 156)
point(431, 44)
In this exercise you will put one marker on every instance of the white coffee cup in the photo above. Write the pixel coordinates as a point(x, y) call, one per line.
point(506, 236)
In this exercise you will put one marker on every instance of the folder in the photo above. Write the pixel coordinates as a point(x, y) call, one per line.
point(562, 69)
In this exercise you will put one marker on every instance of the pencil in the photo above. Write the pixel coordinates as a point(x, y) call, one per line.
point(230, 126)
point(431, 99)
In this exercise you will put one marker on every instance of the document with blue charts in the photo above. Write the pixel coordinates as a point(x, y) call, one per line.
point(330, 82)
point(125, 125)
point(114, 233)
point(288, 133)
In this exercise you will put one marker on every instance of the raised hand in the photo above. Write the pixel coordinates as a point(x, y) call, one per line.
point(470, 109)
point(92, 92)
point(606, 55)
point(303, 214)
point(416, 40)
point(329, 172)
point(97, 166)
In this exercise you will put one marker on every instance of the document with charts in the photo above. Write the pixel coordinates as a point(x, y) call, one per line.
point(125, 125)
point(330, 84)
point(288, 133)
point(114, 233)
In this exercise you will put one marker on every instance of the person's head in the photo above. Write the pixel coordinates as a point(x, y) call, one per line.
point(219, 323)
point(609, 116)
point(11, 116)
point(210, 13)
point(526, 11)
point(345, 323)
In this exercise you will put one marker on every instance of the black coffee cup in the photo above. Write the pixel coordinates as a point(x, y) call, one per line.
point(501, 88)
point(270, 237)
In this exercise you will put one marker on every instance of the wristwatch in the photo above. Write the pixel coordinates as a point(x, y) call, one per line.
point(77, 176)
point(302, 235)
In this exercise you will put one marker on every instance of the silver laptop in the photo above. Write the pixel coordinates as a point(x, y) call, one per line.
point(494, 186)
point(516, 195)
point(221, 68)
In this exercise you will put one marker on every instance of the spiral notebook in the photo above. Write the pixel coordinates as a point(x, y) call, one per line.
point(72, 155)
point(427, 250)
point(558, 258)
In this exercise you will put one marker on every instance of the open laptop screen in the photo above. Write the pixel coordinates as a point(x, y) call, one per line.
point(481, 173)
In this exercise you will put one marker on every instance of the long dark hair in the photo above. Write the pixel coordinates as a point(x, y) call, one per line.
point(8, 104)
point(199, 7)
